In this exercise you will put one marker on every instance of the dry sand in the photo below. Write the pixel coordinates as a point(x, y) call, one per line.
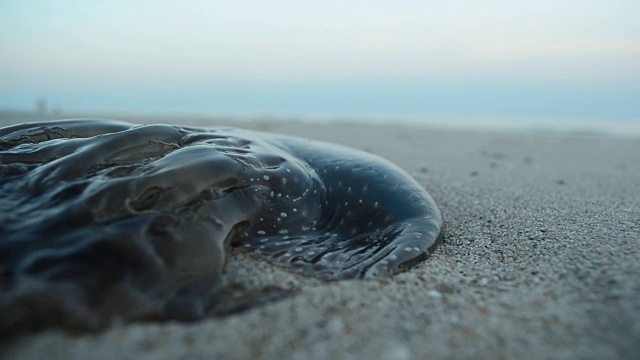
point(541, 260)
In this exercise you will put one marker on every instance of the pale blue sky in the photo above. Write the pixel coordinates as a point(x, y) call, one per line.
point(544, 58)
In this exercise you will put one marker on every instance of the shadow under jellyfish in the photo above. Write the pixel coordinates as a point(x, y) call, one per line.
point(102, 219)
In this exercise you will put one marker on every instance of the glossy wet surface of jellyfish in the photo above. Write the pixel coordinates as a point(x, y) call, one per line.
point(102, 219)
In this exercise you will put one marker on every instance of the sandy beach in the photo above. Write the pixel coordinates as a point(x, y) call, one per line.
point(541, 260)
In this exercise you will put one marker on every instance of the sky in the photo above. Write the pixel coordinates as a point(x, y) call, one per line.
point(548, 59)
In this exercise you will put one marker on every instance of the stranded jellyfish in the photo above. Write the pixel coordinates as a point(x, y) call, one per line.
point(103, 219)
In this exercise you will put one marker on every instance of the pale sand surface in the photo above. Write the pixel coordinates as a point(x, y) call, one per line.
point(541, 260)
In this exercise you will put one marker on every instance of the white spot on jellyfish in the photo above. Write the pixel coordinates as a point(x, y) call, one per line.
point(266, 177)
point(311, 252)
point(247, 245)
point(251, 179)
point(407, 249)
point(264, 240)
point(360, 201)
point(298, 249)
point(279, 195)
point(287, 255)
point(416, 249)
point(295, 209)
point(261, 232)
point(349, 189)
point(285, 237)
point(375, 205)
point(288, 170)
point(346, 203)
point(283, 214)
point(418, 235)
point(283, 232)
point(393, 257)
point(271, 194)
point(284, 181)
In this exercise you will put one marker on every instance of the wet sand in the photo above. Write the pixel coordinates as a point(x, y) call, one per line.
point(541, 260)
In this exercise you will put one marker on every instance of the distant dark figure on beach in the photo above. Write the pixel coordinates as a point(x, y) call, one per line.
point(103, 219)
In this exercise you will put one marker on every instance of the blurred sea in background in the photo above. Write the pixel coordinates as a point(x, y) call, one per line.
point(544, 108)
